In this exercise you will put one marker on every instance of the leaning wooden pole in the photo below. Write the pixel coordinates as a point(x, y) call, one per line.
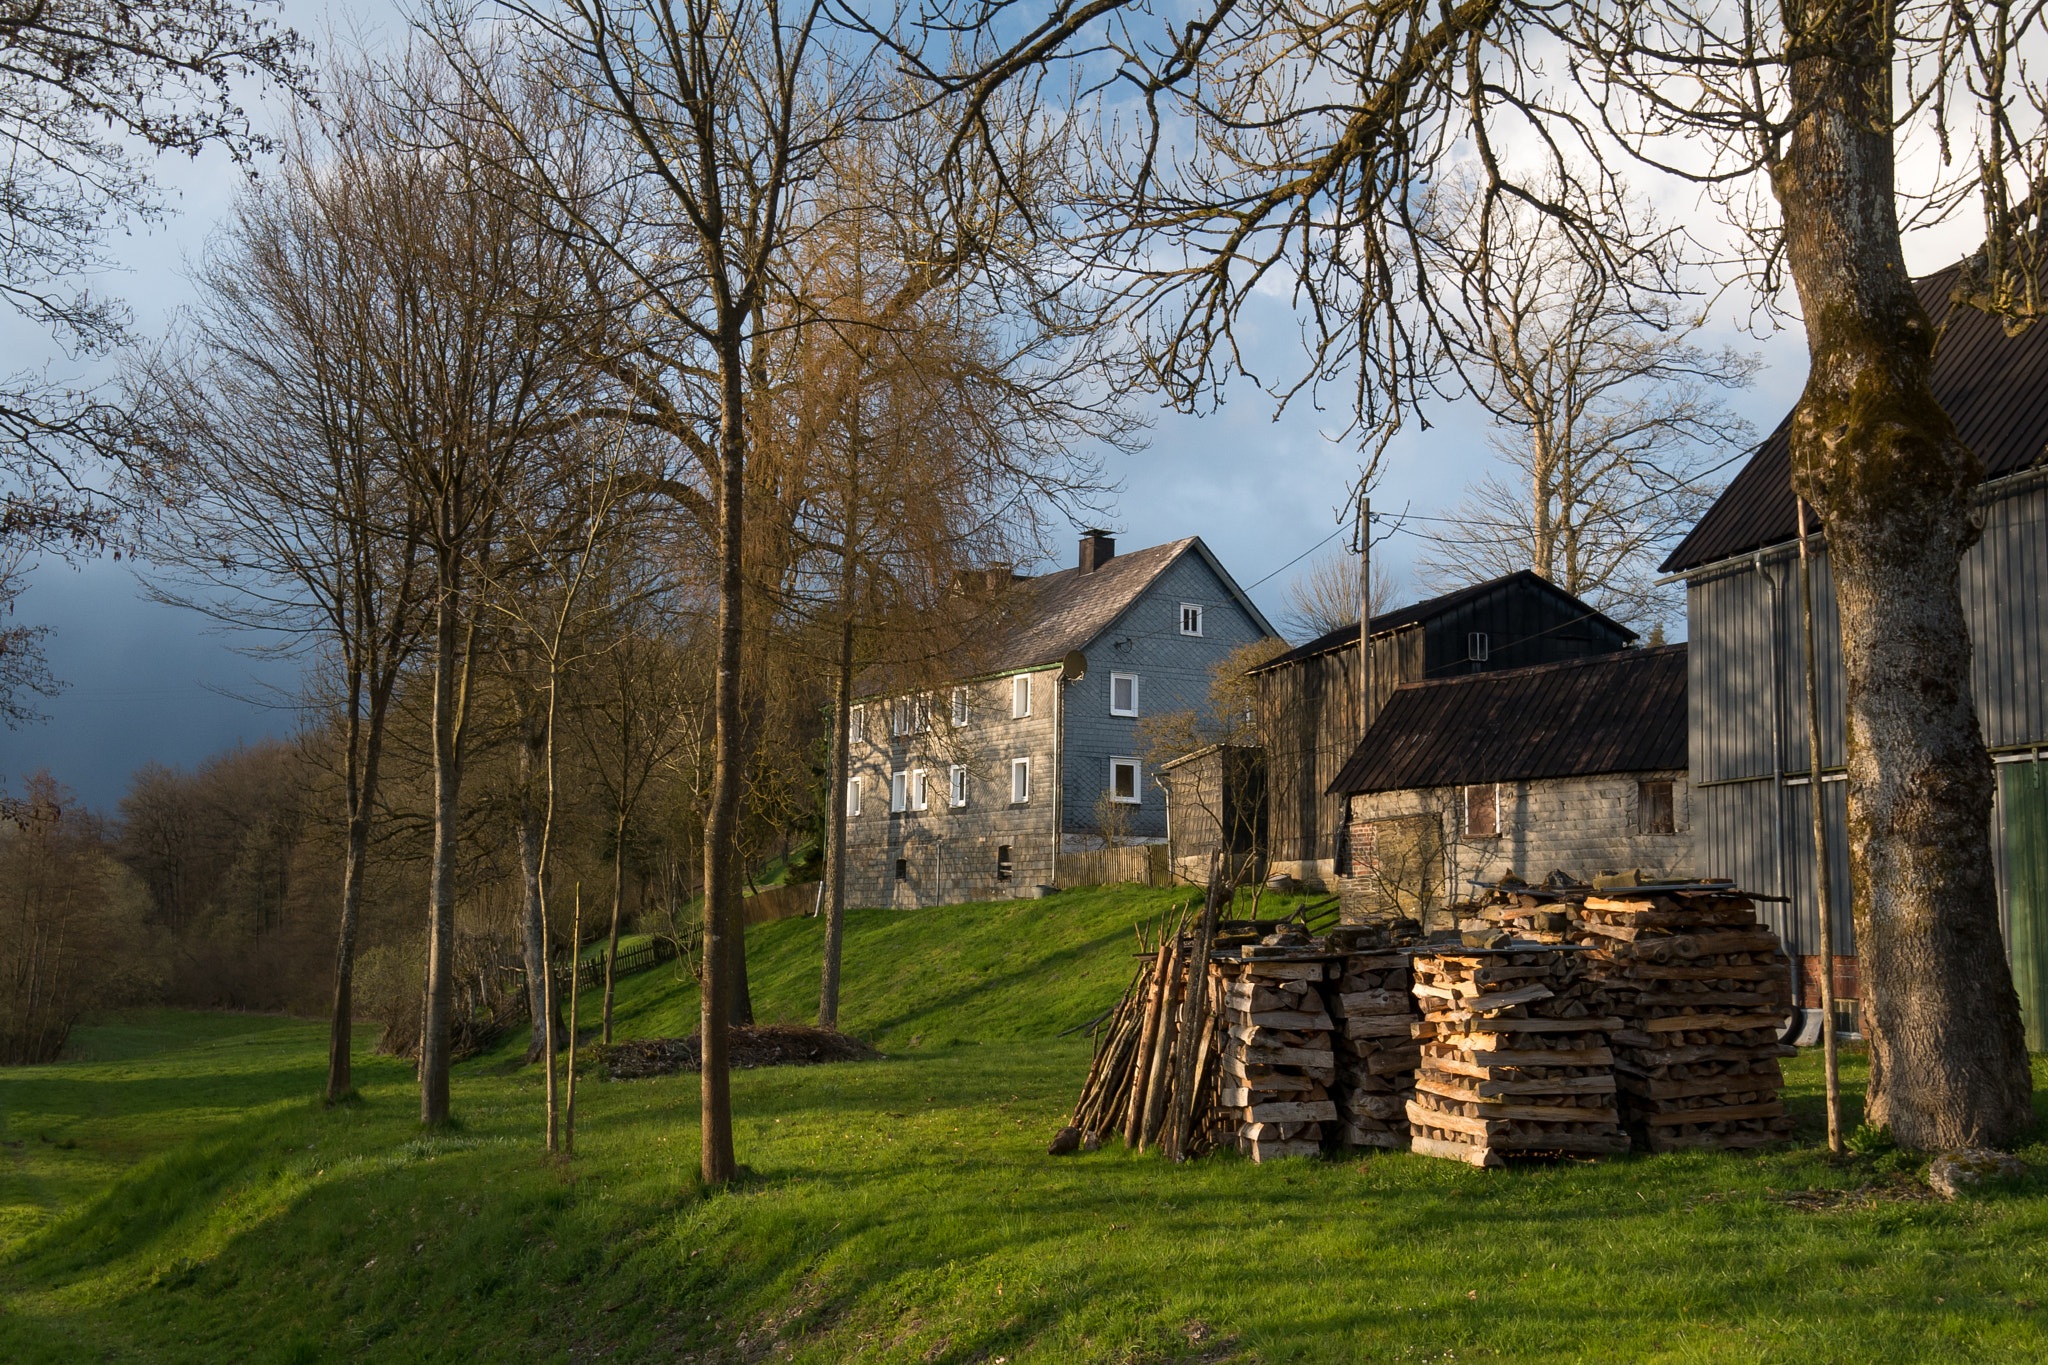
point(1831, 1062)
point(575, 977)
point(1159, 1069)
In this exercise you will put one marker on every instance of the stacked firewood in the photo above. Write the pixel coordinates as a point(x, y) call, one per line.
point(1704, 991)
point(1153, 1075)
point(1514, 1060)
point(1278, 1065)
point(1373, 1010)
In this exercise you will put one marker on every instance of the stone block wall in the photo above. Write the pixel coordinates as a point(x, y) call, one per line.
point(1578, 825)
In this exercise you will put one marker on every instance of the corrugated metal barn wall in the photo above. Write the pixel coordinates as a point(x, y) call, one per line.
point(1746, 706)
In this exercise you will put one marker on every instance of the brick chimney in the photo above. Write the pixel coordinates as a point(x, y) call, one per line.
point(1097, 549)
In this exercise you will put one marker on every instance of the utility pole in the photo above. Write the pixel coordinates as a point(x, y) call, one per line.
point(1364, 611)
point(1822, 891)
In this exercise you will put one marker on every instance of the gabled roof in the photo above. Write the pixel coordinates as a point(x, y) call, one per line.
point(1346, 636)
point(1610, 713)
point(1995, 387)
point(1067, 610)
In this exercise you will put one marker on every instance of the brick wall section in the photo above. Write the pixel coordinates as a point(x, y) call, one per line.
point(1580, 825)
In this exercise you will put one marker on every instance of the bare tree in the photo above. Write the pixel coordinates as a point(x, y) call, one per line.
point(1279, 139)
point(1604, 407)
point(1324, 596)
point(281, 510)
point(718, 122)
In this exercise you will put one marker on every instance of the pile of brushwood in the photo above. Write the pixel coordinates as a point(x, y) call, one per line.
point(768, 1045)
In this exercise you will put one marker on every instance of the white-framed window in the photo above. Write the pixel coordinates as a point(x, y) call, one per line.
point(917, 789)
point(1190, 618)
point(956, 791)
point(1123, 694)
point(1123, 781)
point(853, 797)
point(1020, 696)
point(1482, 810)
point(899, 791)
point(1020, 781)
point(959, 707)
point(857, 724)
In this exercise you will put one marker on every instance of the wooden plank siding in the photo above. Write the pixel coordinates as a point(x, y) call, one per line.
point(1747, 703)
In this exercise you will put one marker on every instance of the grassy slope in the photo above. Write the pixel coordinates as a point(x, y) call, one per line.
point(904, 1210)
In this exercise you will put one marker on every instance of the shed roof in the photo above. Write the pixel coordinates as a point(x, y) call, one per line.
point(1415, 613)
point(1995, 387)
point(1608, 713)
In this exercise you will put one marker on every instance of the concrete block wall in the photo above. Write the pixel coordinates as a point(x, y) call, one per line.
point(1580, 825)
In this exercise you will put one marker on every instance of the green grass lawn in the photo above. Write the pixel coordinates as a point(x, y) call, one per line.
point(178, 1197)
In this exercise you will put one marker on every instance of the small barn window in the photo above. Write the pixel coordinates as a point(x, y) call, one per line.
point(918, 796)
point(1020, 780)
point(898, 790)
point(1655, 813)
point(903, 869)
point(1123, 694)
point(1478, 646)
point(1003, 863)
point(1123, 780)
point(1482, 811)
point(1020, 696)
point(853, 797)
point(1190, 619)
point(957, 791)
point(959, 707)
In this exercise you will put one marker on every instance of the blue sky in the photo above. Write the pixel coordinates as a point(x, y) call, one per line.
point(149, 682)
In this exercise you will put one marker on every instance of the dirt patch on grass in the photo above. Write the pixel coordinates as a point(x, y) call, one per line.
point(770, 1045)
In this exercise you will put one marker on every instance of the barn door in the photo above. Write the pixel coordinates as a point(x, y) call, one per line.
point(2025, 794)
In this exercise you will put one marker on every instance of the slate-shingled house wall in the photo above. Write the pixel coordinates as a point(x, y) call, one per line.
point(1748, 692)
point(1125, 616)
point(1577, 767)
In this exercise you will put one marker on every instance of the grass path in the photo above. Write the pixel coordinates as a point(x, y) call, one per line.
point(904, 1210)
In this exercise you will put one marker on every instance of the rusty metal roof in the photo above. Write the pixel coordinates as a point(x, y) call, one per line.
point(1994, 386)
point(1610, 713)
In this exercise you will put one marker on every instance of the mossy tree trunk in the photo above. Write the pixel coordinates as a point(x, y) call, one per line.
point(1880, 460)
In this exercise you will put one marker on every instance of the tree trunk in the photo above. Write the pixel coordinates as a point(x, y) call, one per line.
point(835, 817)
point(715, 1087)
point(533, 923)
point(1879, 459)
point(434, 1030)
point(742, 1014)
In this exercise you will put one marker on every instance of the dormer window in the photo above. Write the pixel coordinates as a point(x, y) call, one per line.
point(1190, 618)
point(1020, 696)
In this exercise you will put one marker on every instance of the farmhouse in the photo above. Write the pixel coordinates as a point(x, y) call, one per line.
point(1310, 705)
point(978, 789)
point(1752, 777)
point(1576, 766)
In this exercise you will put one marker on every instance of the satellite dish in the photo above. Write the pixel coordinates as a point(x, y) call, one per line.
point(1074, 667)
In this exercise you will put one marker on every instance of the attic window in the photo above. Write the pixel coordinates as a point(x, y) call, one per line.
point(1190, 619)
point(1478, 646)
point(959, 707)
point(857, 724)
point(1123, 694)
point(1655, 813)
point(1020, 696)
point(1482, 811)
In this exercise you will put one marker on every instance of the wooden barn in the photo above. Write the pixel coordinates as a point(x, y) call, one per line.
point(1577, 766)
point(1312, 718)
point(1752, 777)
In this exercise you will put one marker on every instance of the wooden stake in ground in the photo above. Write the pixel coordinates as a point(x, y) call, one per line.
point(575, 979)
point(1821, 879)
point(547, 974)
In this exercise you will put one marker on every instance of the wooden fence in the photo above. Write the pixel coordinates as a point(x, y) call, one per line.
point(1144, 864)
